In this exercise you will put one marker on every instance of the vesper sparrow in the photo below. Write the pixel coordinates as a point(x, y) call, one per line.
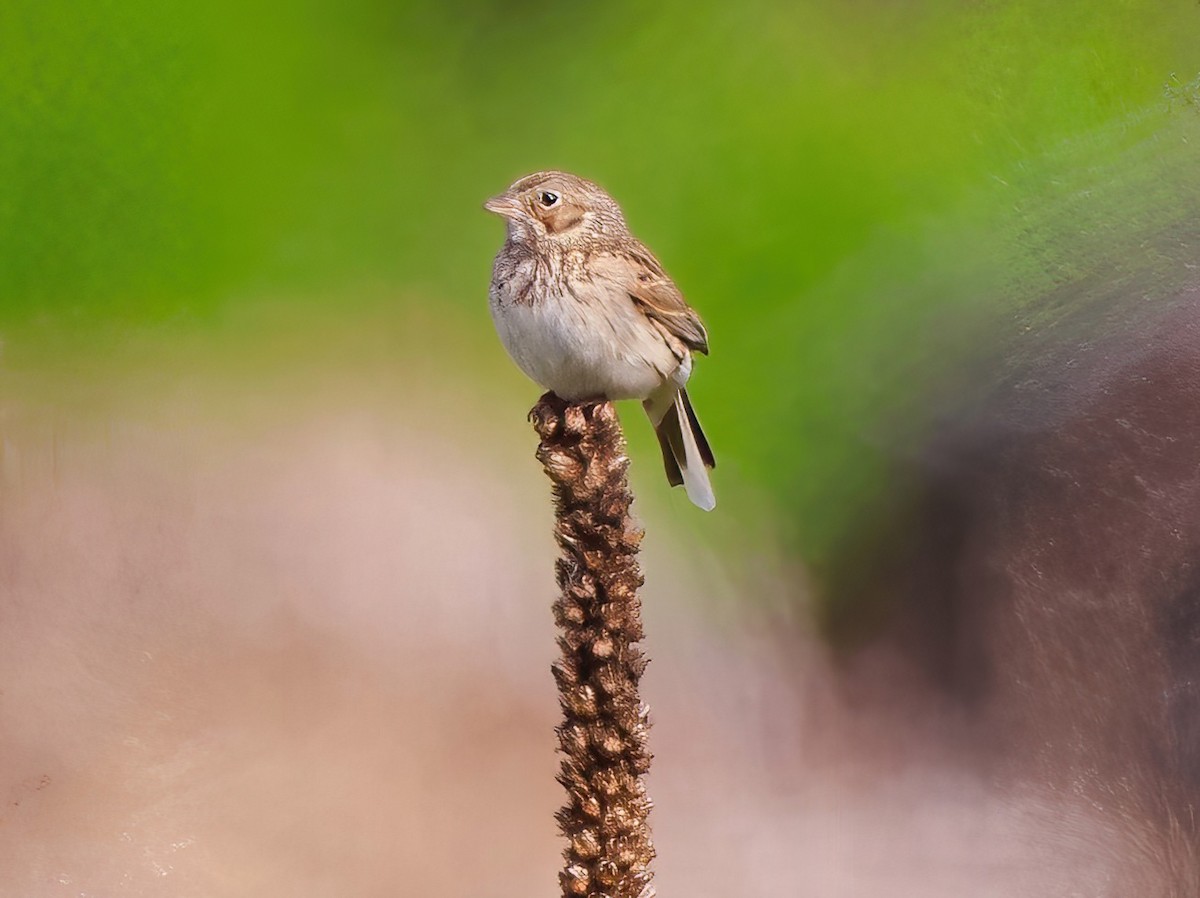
point(585, 310)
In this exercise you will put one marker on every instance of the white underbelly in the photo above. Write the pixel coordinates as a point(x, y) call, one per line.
point(578, 356)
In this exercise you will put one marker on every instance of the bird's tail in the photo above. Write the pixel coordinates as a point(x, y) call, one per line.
point(686, 453)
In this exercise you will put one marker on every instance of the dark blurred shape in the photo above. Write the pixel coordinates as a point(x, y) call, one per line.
point(1180, 627)
point(1044, 572)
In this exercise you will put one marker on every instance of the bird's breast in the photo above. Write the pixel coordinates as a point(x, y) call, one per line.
point(577, 337)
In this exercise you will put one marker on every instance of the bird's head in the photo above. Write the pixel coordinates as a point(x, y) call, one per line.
point(557, 207)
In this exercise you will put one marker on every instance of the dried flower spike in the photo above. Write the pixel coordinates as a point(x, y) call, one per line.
point(603, 734)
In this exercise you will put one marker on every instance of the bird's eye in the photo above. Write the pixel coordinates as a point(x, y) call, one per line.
point(548, 198)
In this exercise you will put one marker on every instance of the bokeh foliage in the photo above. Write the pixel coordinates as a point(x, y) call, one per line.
point(858, 197)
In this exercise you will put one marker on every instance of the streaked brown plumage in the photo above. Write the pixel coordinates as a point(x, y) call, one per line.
point(587, 311)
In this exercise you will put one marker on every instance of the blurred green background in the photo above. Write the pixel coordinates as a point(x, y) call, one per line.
point(869, 203)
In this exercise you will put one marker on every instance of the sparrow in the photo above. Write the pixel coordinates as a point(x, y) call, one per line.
point(587, 311)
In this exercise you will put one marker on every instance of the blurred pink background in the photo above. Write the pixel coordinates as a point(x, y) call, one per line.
point(302, 647)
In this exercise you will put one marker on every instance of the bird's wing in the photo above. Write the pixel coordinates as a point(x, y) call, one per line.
point(634, 269)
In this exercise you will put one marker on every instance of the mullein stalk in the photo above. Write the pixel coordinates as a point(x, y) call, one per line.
point(602, 737)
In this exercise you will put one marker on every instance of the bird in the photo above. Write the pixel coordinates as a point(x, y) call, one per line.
point(586, 310)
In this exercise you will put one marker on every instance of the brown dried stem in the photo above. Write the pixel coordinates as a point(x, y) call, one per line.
point(603, 734)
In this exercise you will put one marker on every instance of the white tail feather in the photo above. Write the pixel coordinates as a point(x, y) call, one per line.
point(695, 475)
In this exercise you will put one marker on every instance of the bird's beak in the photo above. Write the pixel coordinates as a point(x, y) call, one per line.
point(502, 205)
